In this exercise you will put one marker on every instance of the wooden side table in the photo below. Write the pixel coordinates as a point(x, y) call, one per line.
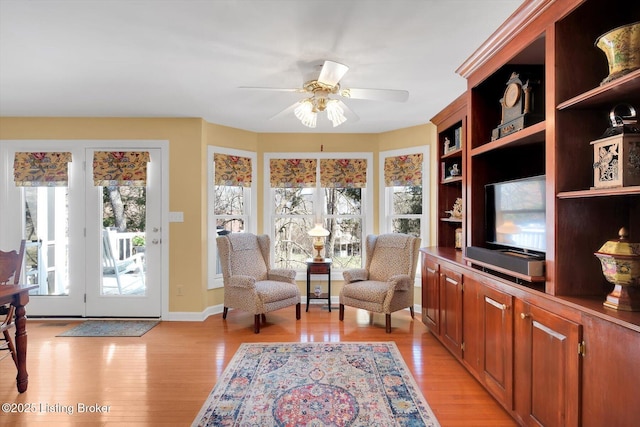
point(319, 267)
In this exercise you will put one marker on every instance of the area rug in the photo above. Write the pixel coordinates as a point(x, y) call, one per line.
point(316, 384)
point(111, 328)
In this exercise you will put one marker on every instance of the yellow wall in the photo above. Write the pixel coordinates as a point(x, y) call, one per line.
point(188, 141)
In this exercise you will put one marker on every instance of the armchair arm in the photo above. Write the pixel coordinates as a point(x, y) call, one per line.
point(400, 282)
point(282, 274)
point(355, 275)
point(242, 281)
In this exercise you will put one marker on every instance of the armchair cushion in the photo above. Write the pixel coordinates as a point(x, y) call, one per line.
point(355, 275)
point(369, 291)
point(272, 291)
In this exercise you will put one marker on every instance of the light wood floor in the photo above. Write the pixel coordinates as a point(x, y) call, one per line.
point(164, 377)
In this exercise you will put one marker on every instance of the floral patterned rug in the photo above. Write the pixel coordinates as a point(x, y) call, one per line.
point(316, 384)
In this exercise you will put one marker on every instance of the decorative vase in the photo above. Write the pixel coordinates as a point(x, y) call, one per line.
point(620, 262)
point(622, 49)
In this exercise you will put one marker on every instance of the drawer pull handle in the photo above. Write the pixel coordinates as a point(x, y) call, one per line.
point(524, 315)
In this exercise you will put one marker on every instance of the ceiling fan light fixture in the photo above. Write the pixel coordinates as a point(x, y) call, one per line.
point(305, 112)
point(335, 113)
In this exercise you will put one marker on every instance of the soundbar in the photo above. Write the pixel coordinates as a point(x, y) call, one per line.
point(518, 262)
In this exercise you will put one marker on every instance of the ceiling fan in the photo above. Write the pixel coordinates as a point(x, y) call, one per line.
point(320, 98)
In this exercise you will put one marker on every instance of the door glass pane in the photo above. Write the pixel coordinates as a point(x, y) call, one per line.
point(123, 240)
point(46, 219)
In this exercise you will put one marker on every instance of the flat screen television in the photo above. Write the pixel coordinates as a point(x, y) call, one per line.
point(515, 212)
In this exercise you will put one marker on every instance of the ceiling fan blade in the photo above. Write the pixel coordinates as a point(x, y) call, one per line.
point(349, 112)
point(273, 89)
point(286, 111)
point(331, 73)
point(376, 94)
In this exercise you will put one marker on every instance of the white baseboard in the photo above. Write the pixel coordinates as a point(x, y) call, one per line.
point(190, 316)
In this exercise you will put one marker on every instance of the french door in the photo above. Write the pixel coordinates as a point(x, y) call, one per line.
point(125, 259)
point(92, 251)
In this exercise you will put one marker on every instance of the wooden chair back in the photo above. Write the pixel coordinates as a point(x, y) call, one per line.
point(11, 265)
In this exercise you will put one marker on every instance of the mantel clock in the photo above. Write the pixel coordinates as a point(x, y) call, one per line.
point(519, 106)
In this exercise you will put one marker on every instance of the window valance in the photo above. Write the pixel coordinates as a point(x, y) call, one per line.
point(403, 170)
point(120, 168)
point(296, 173)
point(343, 173)
point(232, 170)
point(41, 169)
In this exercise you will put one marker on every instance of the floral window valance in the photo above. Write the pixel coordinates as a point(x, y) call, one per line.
point(126, 168)
point(403, 170)
point(37, 169)
point(293, 173)
point(232, 170)
point(343, 173)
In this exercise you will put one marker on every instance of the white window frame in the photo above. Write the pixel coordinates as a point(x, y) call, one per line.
point(386, 196)
point(366, 202)
point(214, 280)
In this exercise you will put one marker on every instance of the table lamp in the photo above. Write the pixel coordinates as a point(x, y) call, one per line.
point(318, 233)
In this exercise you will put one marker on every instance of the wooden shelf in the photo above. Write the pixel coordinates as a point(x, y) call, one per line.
point(451, 180)
point(593, 305)
point(457, 220)
point(607, 94)
point(454, 153)
point(600, 192)
point(529, 135)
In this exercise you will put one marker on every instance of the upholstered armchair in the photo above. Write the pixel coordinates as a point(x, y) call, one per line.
point(249, 282)
point(385, 284)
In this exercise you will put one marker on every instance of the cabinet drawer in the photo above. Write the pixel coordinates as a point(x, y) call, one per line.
point(319, 269)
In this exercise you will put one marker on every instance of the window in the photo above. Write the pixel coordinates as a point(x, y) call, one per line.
point(231, 200)
point(329, 188)
point(402, 193)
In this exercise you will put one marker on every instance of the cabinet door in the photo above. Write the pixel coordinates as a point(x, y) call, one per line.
point(496, 343)
point(431, 294)
point(547, 371)
point(451, 310)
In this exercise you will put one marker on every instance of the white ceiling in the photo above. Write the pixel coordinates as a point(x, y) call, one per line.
point(189, 58)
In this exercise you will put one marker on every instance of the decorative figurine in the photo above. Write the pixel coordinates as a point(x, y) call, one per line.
point(621, 266)
point(447, 145)
point(454, 171)
point(616, 155)
point(456, 212)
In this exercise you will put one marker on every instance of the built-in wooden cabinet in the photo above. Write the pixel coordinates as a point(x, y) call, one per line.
point(442, 300)
point(549, 351)
point(495, 341)
point(451, 126)
point(527, 356)
point(451, 282)
point(431, 294)
point(547, 359)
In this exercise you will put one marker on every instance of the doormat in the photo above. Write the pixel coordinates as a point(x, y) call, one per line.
point(316, 384)
point(111, 328)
